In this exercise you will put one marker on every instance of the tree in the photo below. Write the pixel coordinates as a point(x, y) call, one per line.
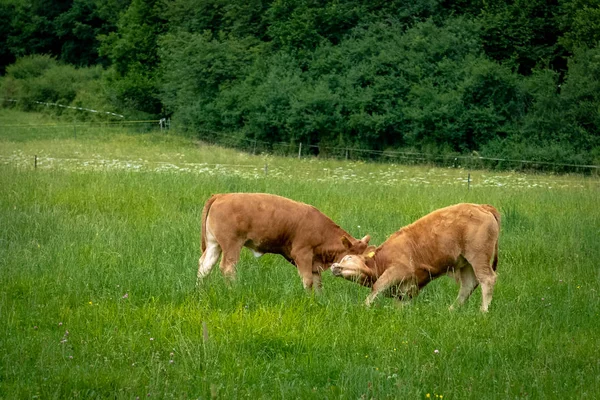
point(580, 24)
point(238, 18)
point(524, 32)
point(133, 53)
point(66, 29)
point(78, 28)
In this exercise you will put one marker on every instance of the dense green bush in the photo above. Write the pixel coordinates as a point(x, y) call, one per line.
point(381, 87)
point(33, 80)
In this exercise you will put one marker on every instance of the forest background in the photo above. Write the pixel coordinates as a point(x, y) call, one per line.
point(514, 79)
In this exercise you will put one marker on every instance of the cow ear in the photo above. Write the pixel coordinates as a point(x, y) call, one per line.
point(346, 242)
point(370, 251)
point(366, 239)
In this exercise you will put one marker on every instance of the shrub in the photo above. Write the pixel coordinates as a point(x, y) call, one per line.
point(31, 66)
point(38, 79)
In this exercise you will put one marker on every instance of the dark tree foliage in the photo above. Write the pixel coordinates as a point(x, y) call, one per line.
point(133, 52)
point(7, 54)
point(78, 29)
point(522, 31)
point(503, 78)
point(237, 17)
point(30, 28)
point(66, 29)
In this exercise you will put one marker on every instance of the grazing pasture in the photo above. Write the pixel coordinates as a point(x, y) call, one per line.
point(98, 257)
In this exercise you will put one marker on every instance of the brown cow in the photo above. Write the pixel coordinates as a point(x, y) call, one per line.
point(267, 223)
point(460, 240)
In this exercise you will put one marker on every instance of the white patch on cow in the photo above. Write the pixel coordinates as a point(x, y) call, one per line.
point(256, 253)
point(211, 254)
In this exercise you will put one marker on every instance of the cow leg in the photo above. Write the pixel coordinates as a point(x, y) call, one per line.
point(468, 283)
point(231, 255)
point(208, 259)
point(487, 290)
point(485, 275)
point(316, 275)
point(317, 284)
point(391, 277)
point(303, 260)
point(307, 279)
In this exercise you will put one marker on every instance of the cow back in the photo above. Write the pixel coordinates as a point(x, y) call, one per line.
point(273, 224)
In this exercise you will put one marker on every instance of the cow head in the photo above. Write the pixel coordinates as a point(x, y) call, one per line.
point(357, 268)
point(354, 246)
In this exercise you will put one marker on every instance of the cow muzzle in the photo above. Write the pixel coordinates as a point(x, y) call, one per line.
point(336, 269)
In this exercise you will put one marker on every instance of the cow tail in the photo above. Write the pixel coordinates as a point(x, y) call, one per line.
point(495, 262)
point(496, 215)
point(494, 212)
point(204, 216)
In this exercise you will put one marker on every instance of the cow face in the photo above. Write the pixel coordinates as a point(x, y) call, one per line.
point(358, 247)
point(354, 268)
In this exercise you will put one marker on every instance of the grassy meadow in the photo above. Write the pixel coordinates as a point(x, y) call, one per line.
point(98, 257)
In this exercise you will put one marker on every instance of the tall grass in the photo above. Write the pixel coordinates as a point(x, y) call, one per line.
point(98, 296)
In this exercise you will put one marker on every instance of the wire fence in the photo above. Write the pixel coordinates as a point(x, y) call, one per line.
point(473, 161)
point(78, 129)
point(58, 105)
point(255, 146)
point(319, 172)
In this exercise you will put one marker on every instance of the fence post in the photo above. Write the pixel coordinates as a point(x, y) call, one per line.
point(469, 181)
point(346, 154)
point(299, 150)
point(35, 161)
point(266, 169)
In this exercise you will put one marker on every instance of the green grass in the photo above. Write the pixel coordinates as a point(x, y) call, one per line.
point(109, 254)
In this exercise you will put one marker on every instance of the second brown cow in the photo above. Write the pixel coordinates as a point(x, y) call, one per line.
point(460, 240)
point(267, 223)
